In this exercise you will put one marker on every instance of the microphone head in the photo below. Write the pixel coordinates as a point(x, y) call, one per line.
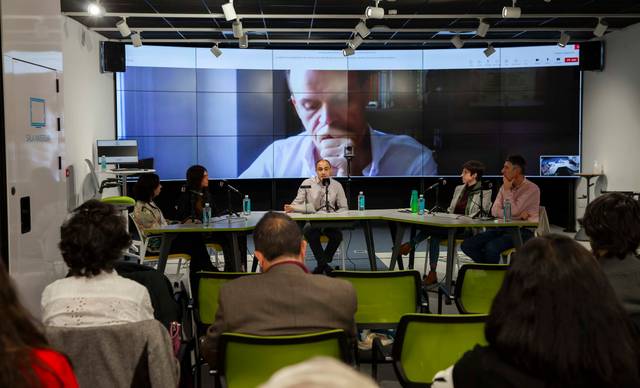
point(325, 181)
point(222, 183)
point(443, 182)
point(487, 184)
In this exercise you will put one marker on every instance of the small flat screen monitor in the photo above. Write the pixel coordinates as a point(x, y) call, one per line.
point(559, 165)
point(118, 151)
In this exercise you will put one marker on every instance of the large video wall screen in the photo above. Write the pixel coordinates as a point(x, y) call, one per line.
point(274, 113)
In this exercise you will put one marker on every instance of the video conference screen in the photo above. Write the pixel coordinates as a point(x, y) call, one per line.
point(274, 113)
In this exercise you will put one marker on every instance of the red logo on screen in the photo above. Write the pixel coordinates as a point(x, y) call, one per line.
point(571, 59)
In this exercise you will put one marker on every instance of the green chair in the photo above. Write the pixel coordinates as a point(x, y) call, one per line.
point(205, 290)
point(119, 201)
point(250, 360)
point(383, 298)
point(427, 343)
point(475, 288)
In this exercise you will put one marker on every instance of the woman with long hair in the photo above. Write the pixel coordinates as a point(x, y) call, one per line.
point(193, 198)
point(556, 322)
point(148, 215)
point(26, 360)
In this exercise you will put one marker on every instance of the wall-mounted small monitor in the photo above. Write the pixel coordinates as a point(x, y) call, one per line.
point(559, 165)
point(118, 151)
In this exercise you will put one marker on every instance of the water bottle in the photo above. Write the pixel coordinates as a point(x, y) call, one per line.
point(413, 204)
point(421, 204)
point(103, 163)
point(361, 201)
point(206, 214)
point(246, 205)
point(507, 210)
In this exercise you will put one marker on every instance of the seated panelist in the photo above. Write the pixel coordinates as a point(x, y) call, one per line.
point(194, 197)
point(312, 198)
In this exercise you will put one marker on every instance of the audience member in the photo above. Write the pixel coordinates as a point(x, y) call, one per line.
point(320, 194)
point(148, 215)
point(612, 222)
point(93, 239)
point(524, 199)
point(285, 299)
point(319, 372)
point(27, 360)
point(556, 322)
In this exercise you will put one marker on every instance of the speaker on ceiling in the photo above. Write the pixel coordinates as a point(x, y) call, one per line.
point(112, 57)
point(592, 55)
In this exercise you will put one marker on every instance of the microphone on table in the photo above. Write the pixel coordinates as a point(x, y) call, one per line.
point(224, 184)
point(441, 182)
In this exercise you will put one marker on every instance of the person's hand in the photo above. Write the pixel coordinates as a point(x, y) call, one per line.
point(288, 208)
point(506, 184)
point(332, 149)
point(192, 221)
point(524, 215)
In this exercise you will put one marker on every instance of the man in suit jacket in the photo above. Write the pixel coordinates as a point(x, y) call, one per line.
point(285, 299)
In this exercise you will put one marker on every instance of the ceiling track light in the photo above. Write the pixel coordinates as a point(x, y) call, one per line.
point(229, 11)
point(362, 30)
point(483, 28)
point(355, 42)
point(489, 51)
point(215, 50)
point(564, 39)
point(374, 12)
point(347, 51)
point(244, 41)
point(512, 12)
point(237, 29)
point(95, 9)
point(136, 39)
point(123, 28)
point(457, 41)
point(601, 28)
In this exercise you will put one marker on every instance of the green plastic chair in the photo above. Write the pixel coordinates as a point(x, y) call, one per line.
point(476, 287)
point(428, 343)
point(383, 298)
point(119, 201)
point(273, 353)
point(205, 290)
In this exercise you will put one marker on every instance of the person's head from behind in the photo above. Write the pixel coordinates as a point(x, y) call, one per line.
point(277, 237)
point(93, 239)
point(513, 167)
point(197, 177)
point(147, 187)
point(612, 222)
point(323, 169)
point(472, 171)
point(330, 105)
point(19, 335)
point(319, 372)
point(557, 316)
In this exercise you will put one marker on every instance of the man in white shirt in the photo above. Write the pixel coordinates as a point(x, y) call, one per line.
point(320, 194)
point(330, 105)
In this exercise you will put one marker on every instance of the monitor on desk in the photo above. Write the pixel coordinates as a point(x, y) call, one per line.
point(118, 151)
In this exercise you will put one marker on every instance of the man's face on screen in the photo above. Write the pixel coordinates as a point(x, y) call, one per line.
point(330, 105)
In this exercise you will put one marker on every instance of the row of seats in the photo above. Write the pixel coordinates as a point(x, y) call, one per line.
point(386, 300)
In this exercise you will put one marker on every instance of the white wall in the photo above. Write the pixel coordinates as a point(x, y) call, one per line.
point(611, 118)
point(89, 110)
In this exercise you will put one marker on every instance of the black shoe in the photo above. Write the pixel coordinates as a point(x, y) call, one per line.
point(327, 269)
point(318, 270)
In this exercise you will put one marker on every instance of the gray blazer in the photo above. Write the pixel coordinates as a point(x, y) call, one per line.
point(473, 203)
point(129, 355)
point(282, 301)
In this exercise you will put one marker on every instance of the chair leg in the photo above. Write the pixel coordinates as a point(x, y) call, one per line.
point(254, 264)
point(343, 255)
point(179, 265)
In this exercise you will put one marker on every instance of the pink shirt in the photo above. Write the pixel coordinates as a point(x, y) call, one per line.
point(525, 197)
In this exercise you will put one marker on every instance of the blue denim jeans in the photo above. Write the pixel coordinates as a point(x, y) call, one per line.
point(486, 247)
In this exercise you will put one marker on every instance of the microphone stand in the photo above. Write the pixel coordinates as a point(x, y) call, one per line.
point(230, 213)
point(348, 179)
point(437, 207)
point(326, 198)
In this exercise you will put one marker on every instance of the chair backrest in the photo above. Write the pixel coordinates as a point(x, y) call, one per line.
point(477, 286)
point(269, 354)
point(205, 296)
point(383, 296)
point(543, 223)
point(426, 344)
point(128, 355)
